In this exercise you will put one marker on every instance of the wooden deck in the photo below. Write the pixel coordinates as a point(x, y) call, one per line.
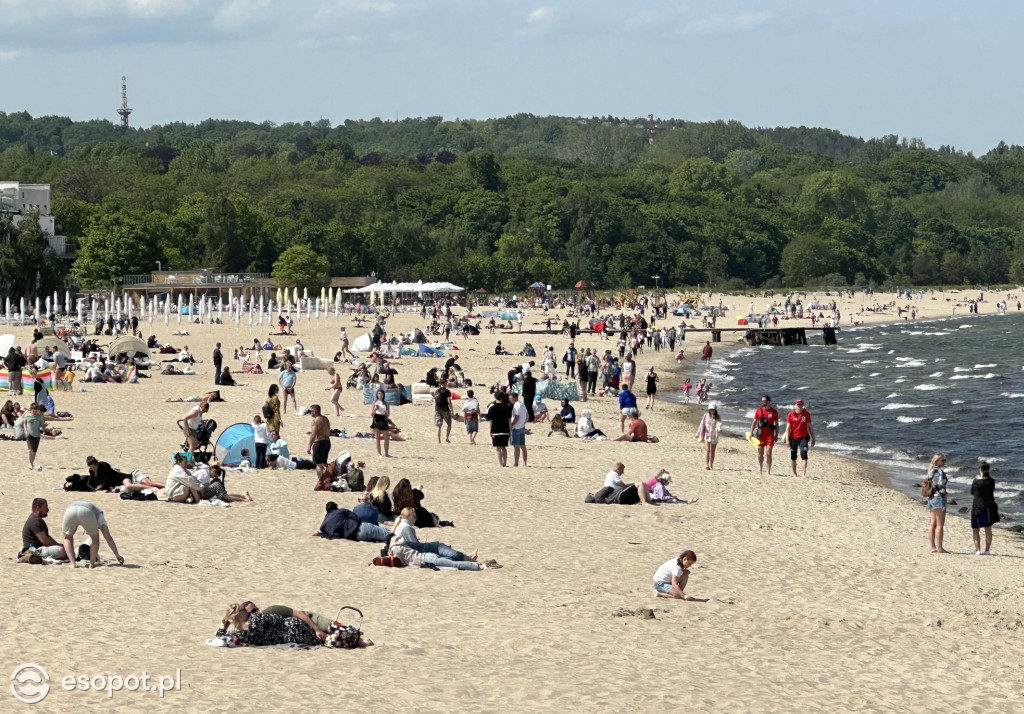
point(775, 336)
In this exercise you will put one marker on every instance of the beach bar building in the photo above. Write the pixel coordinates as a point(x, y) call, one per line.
point(209, 284)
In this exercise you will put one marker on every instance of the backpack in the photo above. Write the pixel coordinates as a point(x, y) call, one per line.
point(928, 487)
point(268, 411)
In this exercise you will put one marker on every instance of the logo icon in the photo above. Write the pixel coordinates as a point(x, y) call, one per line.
point(30, 683)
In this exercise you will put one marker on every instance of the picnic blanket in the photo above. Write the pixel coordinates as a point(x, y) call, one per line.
point(554, 389)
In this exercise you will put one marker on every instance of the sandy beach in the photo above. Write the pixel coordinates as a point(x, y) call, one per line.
point(821, 593)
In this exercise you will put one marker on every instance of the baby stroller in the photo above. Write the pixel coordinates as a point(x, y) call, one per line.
point(204, 440)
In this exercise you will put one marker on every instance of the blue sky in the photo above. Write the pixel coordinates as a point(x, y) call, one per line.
point(940, 70)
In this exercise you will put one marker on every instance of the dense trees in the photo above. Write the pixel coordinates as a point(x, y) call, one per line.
point(505, 202)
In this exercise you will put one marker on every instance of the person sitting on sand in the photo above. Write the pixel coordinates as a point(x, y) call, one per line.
point(585, 428)
point(277, 446)
point(657, 487)
point(8, 414)
point(35, 534)
point(405, 496)
point(379, 497)
point(182, 486)
point(637, 431)
point(407, 547)
point(568, 413)
point(226, 380)
point(558, 426)
point(670, 579)
point(216, 489)
point(540, 410)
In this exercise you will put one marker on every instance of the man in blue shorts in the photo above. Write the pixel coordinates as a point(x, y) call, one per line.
point(798, 432)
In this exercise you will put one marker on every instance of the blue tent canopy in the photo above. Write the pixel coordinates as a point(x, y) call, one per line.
point(231, 442)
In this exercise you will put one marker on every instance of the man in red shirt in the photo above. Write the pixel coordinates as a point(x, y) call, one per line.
point(767, 418)
point(798, 431)
point(637, 430)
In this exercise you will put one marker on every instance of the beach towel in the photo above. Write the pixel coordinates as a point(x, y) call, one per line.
point(27, 381)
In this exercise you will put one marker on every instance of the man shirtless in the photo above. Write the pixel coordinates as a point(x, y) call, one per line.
point(319, 438)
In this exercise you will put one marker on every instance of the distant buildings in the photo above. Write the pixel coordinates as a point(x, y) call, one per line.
point(22, 199)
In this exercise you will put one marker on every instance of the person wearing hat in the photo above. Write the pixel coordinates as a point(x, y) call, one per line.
point(657, 487)
point(798, 433)
point(709, 430)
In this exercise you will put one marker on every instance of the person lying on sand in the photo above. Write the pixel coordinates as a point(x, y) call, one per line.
point(213, 396)
point(407, 547)
point(104, 477)
point(657, 487)
point(617, 491)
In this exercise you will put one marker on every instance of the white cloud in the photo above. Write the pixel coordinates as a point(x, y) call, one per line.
point(726, 23)
point(541, 17)
point(235, 14)
point(9, 55)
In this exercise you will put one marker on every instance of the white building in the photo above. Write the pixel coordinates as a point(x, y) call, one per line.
point(21, 199)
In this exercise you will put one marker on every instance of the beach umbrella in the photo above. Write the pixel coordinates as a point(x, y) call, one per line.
point(67, 303)
point(318, 308)
point(295, 297)
point(37, 308)
point(261, 310)
point(250, 310)
point(305, 294)
point(181, 304)
point(309, 308)
point(201, 301)
point(81, 309)
point(47, 304)
point(92, 317)
point(152, 309)
point(167, 310)
point(21, 308)
point(337, 304)
point(278, 301)
point(191, 306)
point(56, 301)
point(220, 309)
point(7, 311)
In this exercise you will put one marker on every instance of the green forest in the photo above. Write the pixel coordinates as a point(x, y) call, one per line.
point(501, 203)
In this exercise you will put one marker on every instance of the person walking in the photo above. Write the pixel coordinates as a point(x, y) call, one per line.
point(764, 427)
point(443, 410)
point(709, 431)
point(319, 446)
point(218, 363)
point(582, 374)
point(569, 358)
point(287, 379)
point(705, 354)
point(335, 388)
point(593, 369)
point(652, 387)
point(499, 414)
point(984, 510)
point(799, 433)
point(345, 345)
point(520, 416)
point(33, 433)
point(935, 491)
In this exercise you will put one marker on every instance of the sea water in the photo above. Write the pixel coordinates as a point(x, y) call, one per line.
point(894, 395)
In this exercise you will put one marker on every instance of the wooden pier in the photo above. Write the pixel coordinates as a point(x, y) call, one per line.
point(775, 336)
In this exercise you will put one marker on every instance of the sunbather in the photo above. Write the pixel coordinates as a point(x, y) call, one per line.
point(408, 548)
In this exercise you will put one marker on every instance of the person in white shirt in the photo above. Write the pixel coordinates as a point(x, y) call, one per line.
point(625, 494)
point(181, 485)
point(261, 434)
point(519, 419)
point(471, 411)
point(670, 579)
point(277, 461)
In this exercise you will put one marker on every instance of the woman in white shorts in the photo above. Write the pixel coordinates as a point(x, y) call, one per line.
point(90, 518)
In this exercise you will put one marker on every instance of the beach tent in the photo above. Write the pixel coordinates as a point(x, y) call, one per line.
point(129, 345)
point(228, 450)
point(6, 343)
point(363, 343)
point(420, 351)
point(55, 343)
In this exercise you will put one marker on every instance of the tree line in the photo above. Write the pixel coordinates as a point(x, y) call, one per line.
point(502, 203)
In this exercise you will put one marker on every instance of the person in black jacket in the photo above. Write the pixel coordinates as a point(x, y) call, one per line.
point(14, 363)
point(343, 523)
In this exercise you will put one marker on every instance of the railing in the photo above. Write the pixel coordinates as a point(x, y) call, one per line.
point(192, 277)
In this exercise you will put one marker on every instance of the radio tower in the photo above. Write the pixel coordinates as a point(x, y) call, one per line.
point(124, 111)
point(652, 127)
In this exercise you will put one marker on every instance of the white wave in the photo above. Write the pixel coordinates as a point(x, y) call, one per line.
point(908, 420)
point(833, 424)
point(900, 380)
point(1012, 395)
point(935, 374)
point(961, 369)
point(894, 394)
point(990, 375)
point(858, 388)
point(890, 407)
point(964, 327)
point(957, 401)
point(927, 387)
point(874, 374)
point(938, 420)
point(869, 361)
point(984, 366)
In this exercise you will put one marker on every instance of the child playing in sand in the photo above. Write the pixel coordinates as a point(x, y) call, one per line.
point(680, 357)
point(670, 579)
point(687, 388)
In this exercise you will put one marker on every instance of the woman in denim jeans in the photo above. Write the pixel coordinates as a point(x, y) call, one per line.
point(407, 546)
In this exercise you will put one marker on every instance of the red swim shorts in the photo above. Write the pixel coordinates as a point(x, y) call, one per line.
point(767, 438)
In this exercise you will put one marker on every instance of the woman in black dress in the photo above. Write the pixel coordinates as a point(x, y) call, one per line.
point(652, 387)
point(259, 629)
point(984, 511)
